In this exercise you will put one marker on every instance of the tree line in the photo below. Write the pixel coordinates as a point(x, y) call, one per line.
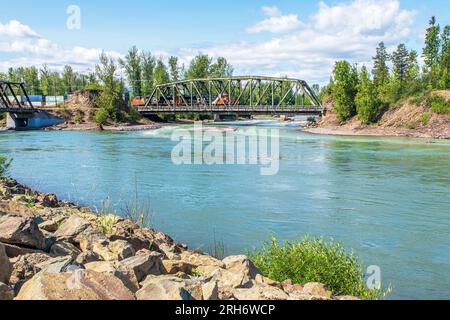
point(394, 76)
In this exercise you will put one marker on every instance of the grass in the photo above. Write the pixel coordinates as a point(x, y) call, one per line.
point(315, 260)
point(140, 212)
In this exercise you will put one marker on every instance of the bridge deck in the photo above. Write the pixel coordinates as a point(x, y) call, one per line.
point(231, 109)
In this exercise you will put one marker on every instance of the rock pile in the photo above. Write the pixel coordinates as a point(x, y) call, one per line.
point(52, 250)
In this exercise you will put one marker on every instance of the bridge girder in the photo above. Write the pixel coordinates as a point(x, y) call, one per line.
point(11, 94)
point(240, 94)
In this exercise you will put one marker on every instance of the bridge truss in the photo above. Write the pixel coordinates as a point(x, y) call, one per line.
point(14, 98)
point(246, 95)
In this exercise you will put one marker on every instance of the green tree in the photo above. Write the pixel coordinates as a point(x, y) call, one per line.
point(174, 69)
point(148, 69)
point(68, 77)
point(380, 72)
point(161, 75)
point(344, 89)
point(431, 53)
point(444, 78)
point(199, 67)
point(5, 164)
point(367, 104)
point(221, 69)
point(133, 70)
point(400, 60)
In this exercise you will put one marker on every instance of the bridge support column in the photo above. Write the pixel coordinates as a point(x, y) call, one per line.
point(29, 121)
point(217, 117)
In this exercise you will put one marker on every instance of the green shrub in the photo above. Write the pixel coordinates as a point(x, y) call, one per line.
point(5, 164)
point(438, 104)
point(425, 118)
point(101, 116)
point(314, 260)
point(133, 116)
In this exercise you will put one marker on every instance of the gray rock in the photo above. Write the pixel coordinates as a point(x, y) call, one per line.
point(144, 264)
point(71, 228)
point(62, 248)
point(21, 231)
point(6, 293)
point(56, 265)
point(5, 265)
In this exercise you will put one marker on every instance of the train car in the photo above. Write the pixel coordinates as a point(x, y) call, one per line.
point(52, 101)
point(36, 100)
point(138, 101)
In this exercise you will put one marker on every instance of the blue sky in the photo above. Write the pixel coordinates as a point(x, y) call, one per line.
point(285, 37)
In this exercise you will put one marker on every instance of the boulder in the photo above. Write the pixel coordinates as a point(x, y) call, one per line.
point(71, 228)
point(127, 276)
point(226, 279)
point(261, 279)
point(87, 257)
point(291, 288)
point(48, 200)
point(16, 209)
point(21, 231)
point(88, 238)
point(210, 290)
point(5, 266)
point(62, 248)
point(78, 285)
point(56, 265)
point(176, 266)
point(198, 259)
point(116, 250)
point(260, 291)
point(143, 264)
point(6, 293)
point(317, 289)
point(26, 266)
point(52, 224)
point(13, 251)
point(165, 288)
point(242, 265)
point(346, 298)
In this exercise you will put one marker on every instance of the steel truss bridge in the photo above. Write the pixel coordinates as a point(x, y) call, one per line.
point(14, 98)
point(234, 95)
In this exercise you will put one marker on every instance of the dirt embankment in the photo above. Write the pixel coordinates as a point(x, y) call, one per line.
point(78, 113)
point(408, 118)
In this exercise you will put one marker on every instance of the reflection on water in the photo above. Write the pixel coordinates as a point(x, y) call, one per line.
point(389, 199)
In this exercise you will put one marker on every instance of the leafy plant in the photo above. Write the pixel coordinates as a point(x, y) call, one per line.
point(425, 118)
point(438, 104)
point(101, 116)
point(315, 260)
point(5, 165)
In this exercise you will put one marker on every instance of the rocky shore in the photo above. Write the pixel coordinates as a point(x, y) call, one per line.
point(54, 250)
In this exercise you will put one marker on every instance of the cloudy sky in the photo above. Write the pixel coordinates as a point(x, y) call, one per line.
point(295, 38)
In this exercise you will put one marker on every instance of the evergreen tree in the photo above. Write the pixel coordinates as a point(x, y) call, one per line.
point(345, 89)
point(400, 60)
point(199, 67)
point(175, 70)
point(380, 70)
point(367, 104)
point(444, 81)
point(431, 53)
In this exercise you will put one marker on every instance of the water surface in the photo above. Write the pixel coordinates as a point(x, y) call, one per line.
point(388, 199)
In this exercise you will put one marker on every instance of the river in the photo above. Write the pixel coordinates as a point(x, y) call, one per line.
point(387, 198)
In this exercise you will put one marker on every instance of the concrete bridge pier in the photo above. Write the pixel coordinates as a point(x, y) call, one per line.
point(32, 120)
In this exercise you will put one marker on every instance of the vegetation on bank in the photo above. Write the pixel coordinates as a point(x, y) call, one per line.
point(5, 164)
point(395, 76)
point(315, 260)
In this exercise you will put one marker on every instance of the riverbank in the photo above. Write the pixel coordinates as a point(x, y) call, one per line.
point(55, 250)
point(411, 117)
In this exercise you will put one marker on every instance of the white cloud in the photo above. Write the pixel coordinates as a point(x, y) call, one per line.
point(351, 31)
point(14, 28)
point(31, 49)
point(276, 22)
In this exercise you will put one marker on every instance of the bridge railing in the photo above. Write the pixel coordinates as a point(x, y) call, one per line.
point(14, 97)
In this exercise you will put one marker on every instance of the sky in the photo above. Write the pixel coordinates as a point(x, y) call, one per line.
point(295, 38)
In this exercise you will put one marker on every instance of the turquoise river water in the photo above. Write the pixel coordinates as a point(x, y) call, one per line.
point(387, 198)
